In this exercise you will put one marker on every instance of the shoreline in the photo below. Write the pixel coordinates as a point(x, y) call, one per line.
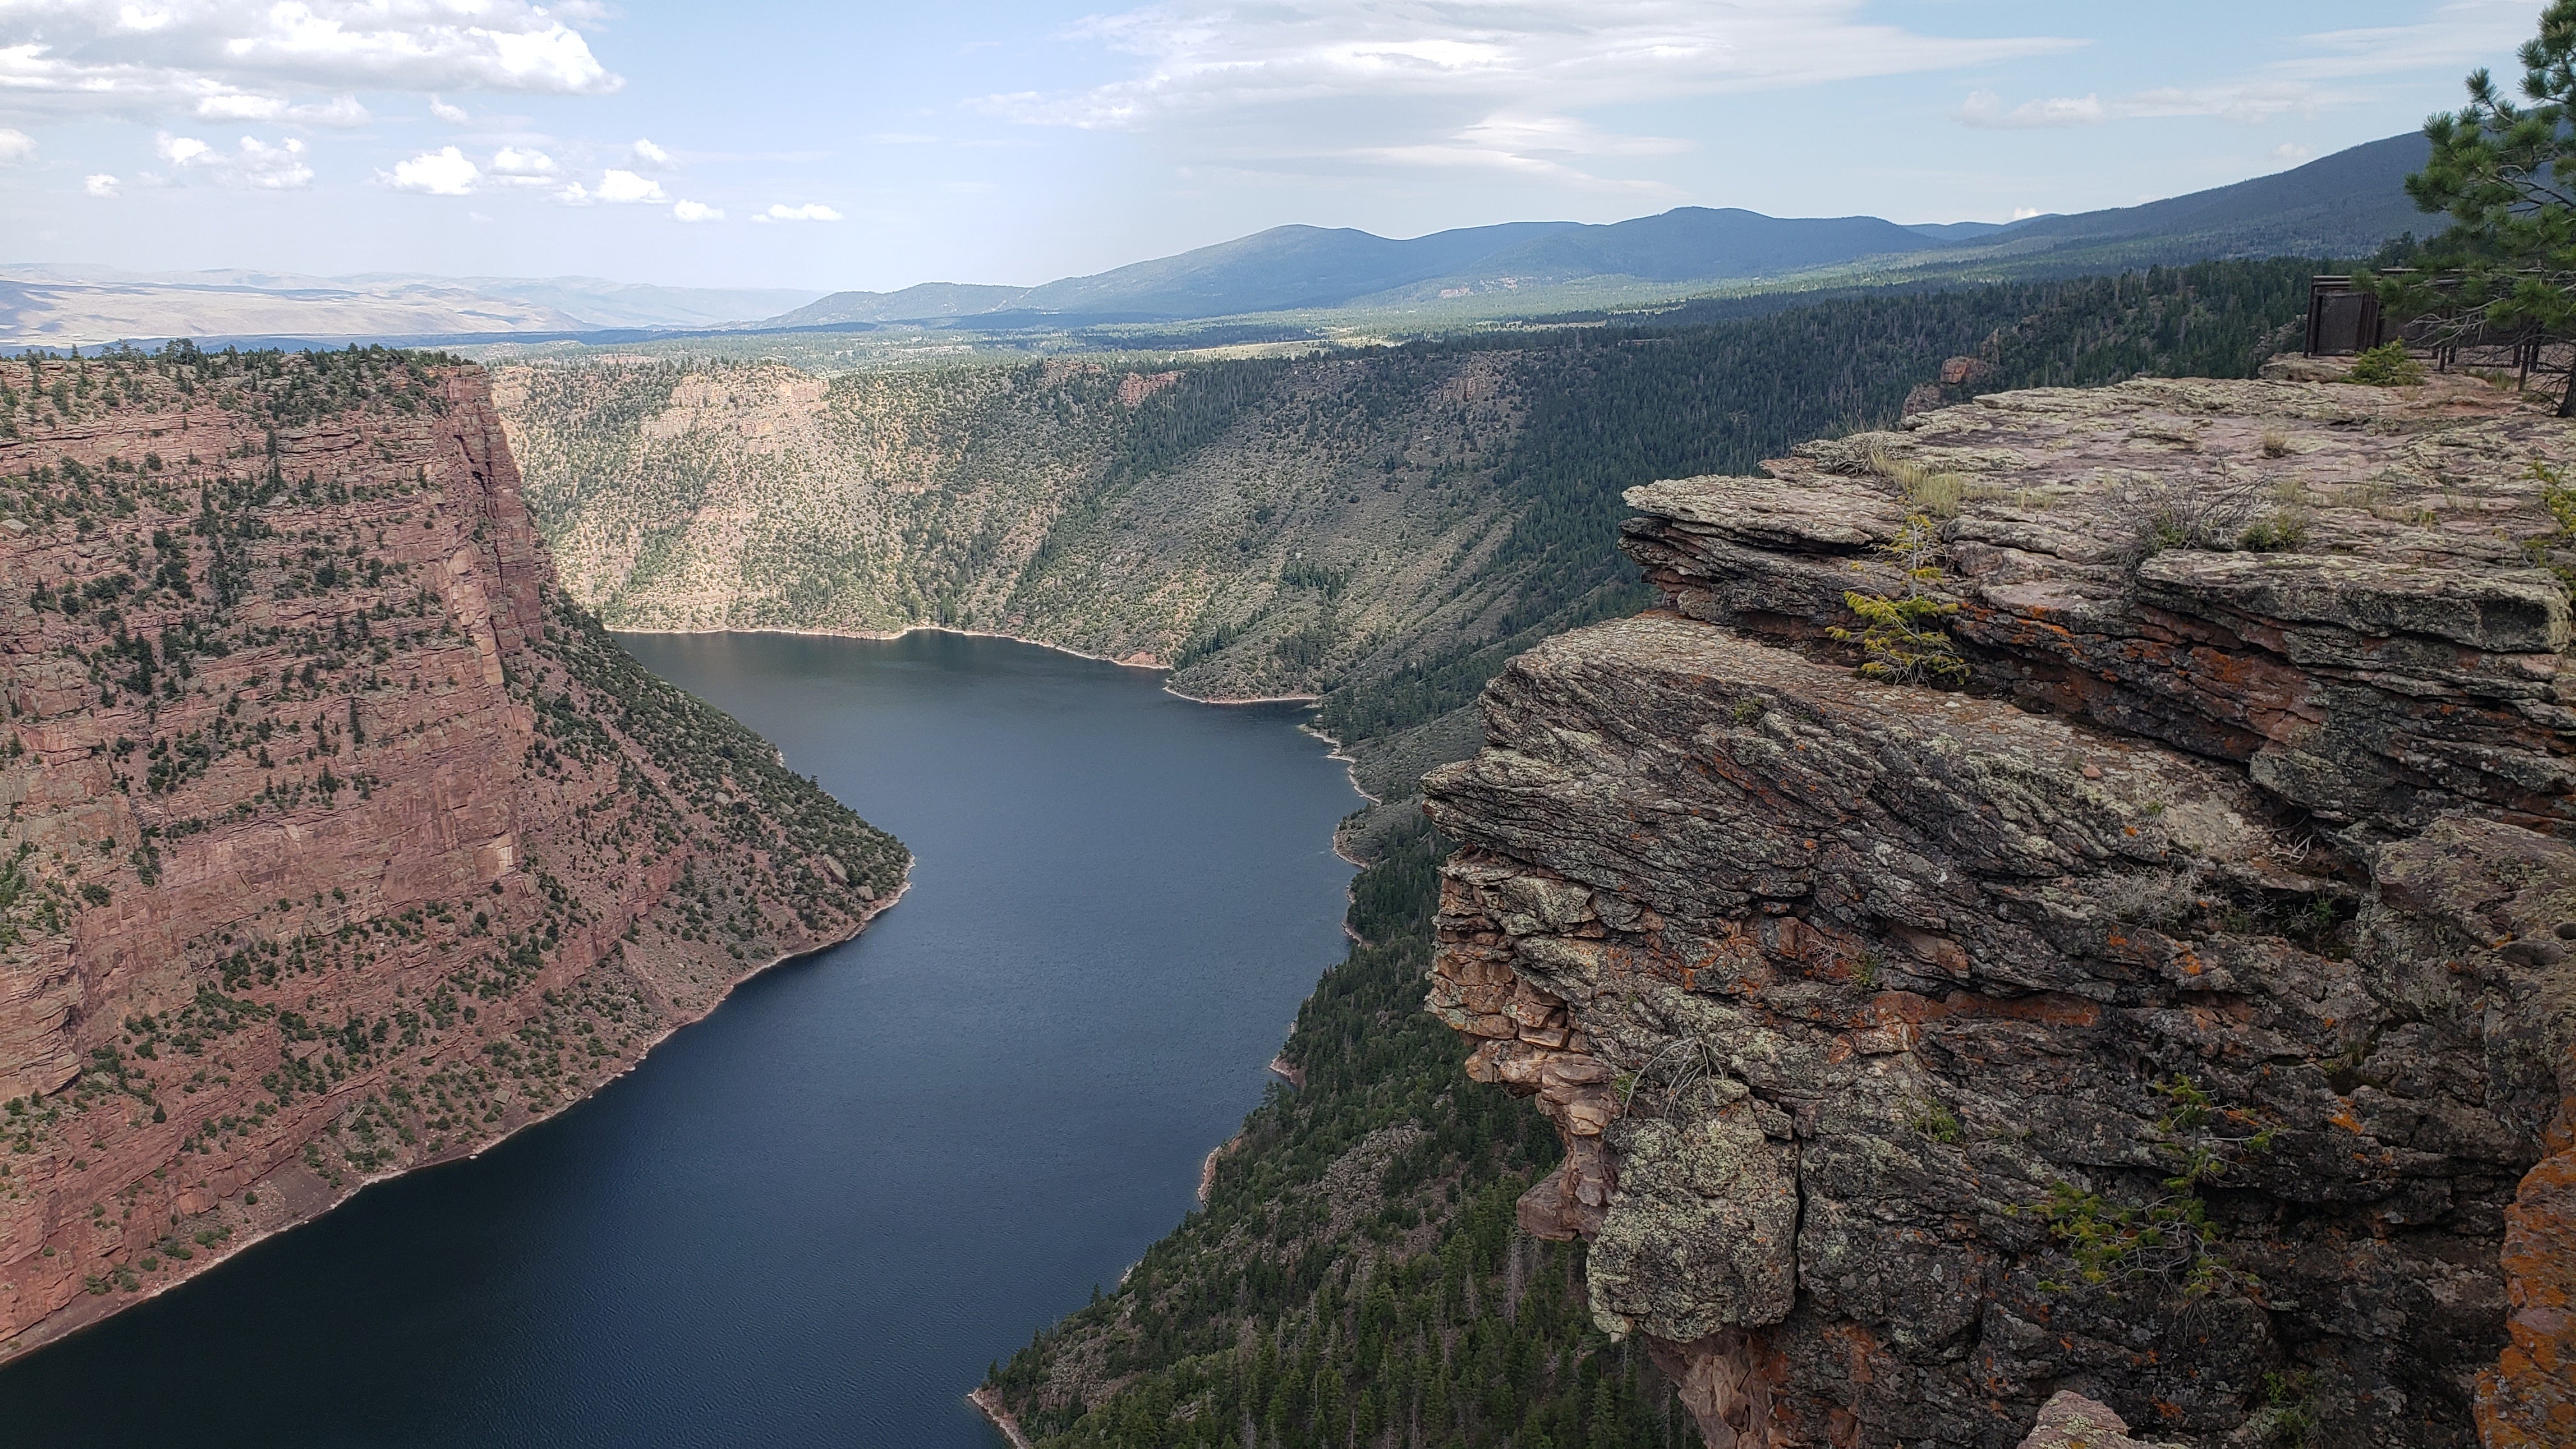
point(889, 635)
point(1207, 1165)
point(1338, 753)
point(52, 1329)
point(990, 1404)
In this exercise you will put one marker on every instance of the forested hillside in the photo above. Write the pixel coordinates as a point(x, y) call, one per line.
point(1356, 1271)
point(1379, 527)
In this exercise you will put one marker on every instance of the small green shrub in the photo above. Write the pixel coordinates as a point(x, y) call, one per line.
point(2275, 534)
point(2288, 1417)
point(2386, 365)
point(1933, 1121)
point(1901, 640)
point(2171, 1238)
point(2560, 499)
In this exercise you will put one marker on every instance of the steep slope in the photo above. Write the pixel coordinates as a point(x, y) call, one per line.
point(338, 840)
point(1276, 270)
point(2343, 205)
point(1689, 243)
point(2176, 1012)
point(1380, 527)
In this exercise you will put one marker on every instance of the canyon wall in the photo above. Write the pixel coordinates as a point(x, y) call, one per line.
point(1377, 526)
point(2149, 980)
point(1263, 528)
point(338, 840)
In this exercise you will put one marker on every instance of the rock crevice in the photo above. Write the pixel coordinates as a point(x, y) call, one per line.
point(2175, 1015)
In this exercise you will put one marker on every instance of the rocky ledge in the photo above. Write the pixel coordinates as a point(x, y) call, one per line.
point(2164, 1003)
point(336, 840)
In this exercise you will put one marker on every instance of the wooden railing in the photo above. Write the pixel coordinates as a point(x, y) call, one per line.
point(2344, 320)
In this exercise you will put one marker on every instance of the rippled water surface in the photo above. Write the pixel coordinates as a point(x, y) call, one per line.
point(813, 1218)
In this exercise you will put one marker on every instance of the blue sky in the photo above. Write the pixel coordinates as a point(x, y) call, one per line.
point(865, 145)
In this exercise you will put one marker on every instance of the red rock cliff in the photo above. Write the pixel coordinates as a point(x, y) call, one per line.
point(336, 842)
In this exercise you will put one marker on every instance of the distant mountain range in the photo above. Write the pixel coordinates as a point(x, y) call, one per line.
point(2346, 204)
point(2343, 205)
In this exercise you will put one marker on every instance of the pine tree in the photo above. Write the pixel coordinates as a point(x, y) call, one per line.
point(2505, 172)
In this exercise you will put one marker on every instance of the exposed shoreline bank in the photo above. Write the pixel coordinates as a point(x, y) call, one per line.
point(990, 1403)
point(1340, 753)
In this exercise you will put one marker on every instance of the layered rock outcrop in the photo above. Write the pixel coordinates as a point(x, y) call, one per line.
point(337, 841)
point(2175, 1010)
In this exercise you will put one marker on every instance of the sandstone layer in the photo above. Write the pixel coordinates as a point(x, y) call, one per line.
point(338, 841)
point(2173, 1012)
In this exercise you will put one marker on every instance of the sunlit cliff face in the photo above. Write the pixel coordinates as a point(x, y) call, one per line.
point(338, 842)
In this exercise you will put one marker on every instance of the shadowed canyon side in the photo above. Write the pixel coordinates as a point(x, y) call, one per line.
point(2176, 1017)
point(1246, 525)
point(339, 841)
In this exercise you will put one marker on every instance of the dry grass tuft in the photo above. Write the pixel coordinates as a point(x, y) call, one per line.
point(1927, 491)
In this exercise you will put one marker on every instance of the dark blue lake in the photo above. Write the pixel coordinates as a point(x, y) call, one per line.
point(813, 1218)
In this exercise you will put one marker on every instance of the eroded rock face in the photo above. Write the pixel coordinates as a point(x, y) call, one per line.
point(2178, 1013)
point(2071, 1421)
point(337, 841)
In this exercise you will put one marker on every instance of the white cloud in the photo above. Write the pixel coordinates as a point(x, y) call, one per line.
point(272, 168)
point(452, 115)
point(340, 111)
point(99, 185)
point(91, 56)
point(619, 187)
point(254, 163)
point(648, 154)
point(810, 211)
point(2244, 102)
point(183, 150)
point(2459, 33)
point(2330, 72)
point(1492, 83)
point(514, 166)
point(1985, 110)
point(443, 172)
point(694, 211)
point(15, 146)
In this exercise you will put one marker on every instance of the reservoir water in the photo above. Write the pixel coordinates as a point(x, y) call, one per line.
point(812, 1218)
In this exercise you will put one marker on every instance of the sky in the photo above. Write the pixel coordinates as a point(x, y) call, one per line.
point(864, 145)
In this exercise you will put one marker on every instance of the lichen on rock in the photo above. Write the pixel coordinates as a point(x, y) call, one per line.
point(2178, 1010)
